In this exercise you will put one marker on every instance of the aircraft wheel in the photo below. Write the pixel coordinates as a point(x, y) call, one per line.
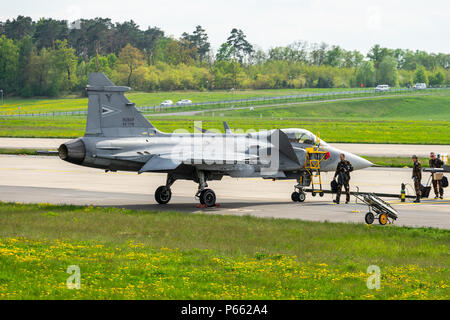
point(208, 197)
point(369, 218)
point(295, 196)
point(163, 195)
point(301, 196)
point(383, 219)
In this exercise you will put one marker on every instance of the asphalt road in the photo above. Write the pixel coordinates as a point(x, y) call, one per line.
point(34, 179)
point(365, 149)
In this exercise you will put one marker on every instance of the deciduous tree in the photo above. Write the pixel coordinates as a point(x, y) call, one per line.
point(132, 58)
point(387, 71)
point(420, 76)
point(9, 64)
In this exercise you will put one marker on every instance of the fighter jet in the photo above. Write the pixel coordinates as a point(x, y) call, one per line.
point(119, 138)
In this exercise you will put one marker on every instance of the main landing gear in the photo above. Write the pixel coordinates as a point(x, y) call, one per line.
point(206, 196)
point(163, 194)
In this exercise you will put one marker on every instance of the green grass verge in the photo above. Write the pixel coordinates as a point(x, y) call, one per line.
point(362, 131)
point(398, 162)
point(55, 127)
point(124, 254)
point(27, 152)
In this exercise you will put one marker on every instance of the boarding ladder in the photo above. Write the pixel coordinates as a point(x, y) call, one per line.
point(314, 155)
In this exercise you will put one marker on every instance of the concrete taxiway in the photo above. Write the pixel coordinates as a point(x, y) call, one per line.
point(36, 179)
point(366, 149)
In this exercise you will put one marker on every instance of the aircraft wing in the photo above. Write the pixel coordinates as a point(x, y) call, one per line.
point(208, 157)
point(156, 163)
point(207, 153)
point(171, 161)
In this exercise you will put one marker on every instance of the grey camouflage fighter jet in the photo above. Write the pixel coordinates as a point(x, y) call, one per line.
point(119, 138)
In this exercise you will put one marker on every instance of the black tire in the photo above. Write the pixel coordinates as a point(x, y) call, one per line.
point(313, 193)
point(321, 194)
point(208, 198)
point(301, 196)
point(295, 196)
point(370, 218)
point(163, 195)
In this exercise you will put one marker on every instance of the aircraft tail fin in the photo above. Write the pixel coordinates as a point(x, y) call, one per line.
point(110, 113)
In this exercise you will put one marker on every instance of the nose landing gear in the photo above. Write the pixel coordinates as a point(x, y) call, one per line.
point(298, 196)
point(206, 196)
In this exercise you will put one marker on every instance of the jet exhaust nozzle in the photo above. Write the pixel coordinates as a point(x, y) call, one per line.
point(73, 151)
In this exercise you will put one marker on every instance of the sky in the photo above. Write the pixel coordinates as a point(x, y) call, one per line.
point(351, 24)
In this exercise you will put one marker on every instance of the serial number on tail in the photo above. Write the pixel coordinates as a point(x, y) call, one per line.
point(127, 122)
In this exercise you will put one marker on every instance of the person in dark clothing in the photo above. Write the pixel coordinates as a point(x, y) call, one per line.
point(417, 177)
point(343, 170)
point(437, 177)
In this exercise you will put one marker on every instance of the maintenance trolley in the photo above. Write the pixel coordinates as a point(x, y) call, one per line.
point(378, 209)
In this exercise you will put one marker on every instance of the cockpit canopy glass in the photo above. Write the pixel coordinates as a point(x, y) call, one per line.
point(300, 136)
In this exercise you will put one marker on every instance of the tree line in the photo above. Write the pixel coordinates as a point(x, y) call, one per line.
point(52, 57)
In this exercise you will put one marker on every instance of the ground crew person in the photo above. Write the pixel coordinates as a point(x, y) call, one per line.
point(437, 177)
point(417, 177)
point(343, 170)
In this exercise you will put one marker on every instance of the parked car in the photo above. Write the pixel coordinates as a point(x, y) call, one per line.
point(382, 88)
point(166, 103)
point(184, 102)
point(420, 86)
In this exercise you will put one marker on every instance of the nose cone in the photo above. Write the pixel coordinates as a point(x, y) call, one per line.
point(358, 162)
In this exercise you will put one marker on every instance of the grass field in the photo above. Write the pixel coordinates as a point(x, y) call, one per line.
point(71, 103)
point(125, 254)
point(407, 119)
point(366, 131)
point(430, 107)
